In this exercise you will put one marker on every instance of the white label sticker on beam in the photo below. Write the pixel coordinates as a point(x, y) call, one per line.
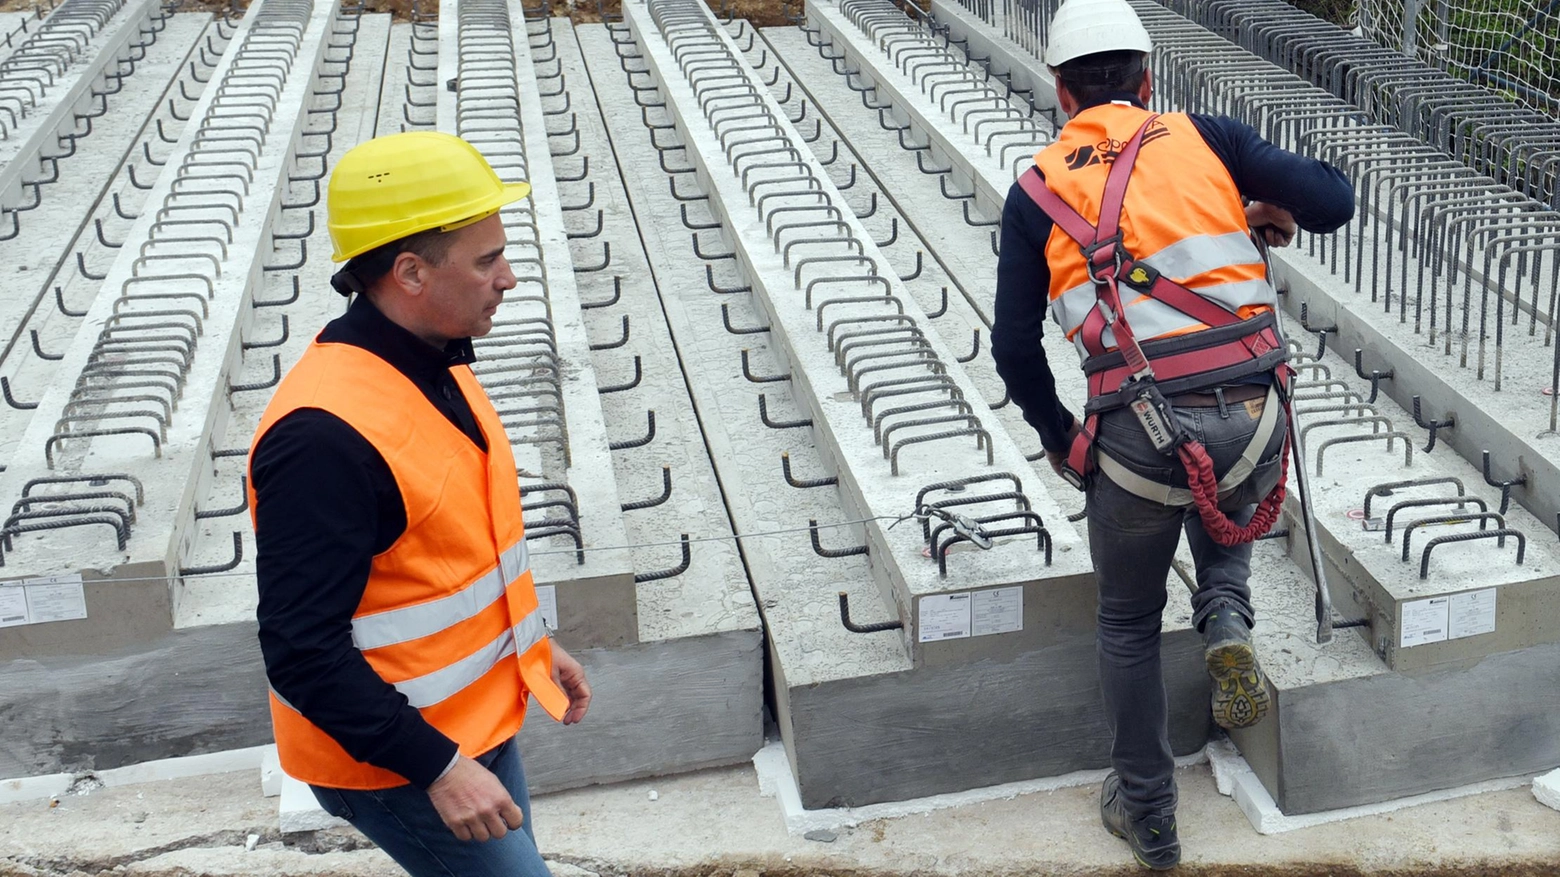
point(13, 606)
point(944, 616)
point(1424, 621)
point(41, 600)
point(997, 610)
point(1472, 613)
point(55, 598)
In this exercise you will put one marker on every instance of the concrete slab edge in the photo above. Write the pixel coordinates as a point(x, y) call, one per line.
point(56, 784)
point(775, 780)
point(1235, 778)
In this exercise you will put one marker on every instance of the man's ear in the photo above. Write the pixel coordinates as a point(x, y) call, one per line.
point(1064, 98)
point(1146, 90)
point(409, 272)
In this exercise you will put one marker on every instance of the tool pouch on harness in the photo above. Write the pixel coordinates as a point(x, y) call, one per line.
point(1141, 376)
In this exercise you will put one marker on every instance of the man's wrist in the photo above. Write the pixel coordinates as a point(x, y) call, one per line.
point(448, 767)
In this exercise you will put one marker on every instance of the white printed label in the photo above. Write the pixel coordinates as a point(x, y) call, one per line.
point(55, 598)
point(13, 606)
point(998, 610)
point(1424, 621)
point(944, 616)
point(547, 604)
point(1472, 613)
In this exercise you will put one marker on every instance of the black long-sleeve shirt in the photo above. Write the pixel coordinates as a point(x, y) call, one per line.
point(326, 503)
point(1318, 195)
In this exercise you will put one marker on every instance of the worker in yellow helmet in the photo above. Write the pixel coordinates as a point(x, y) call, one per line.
point(398, 619)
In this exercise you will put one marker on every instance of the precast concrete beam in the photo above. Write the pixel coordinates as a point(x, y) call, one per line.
point(698, 624)
point(531, 362)
point(288, 307)
point(53, 79)
point(78, 215)
point(969, 122)
point(752, 164)
point(140, 399)
point(1391, 520)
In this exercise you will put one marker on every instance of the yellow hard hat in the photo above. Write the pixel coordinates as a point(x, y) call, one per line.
point(390, 187)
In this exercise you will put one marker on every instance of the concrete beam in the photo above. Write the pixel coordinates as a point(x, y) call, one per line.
point(873, 489)
point(595, 595)
point(48, 106)
point(213, 283)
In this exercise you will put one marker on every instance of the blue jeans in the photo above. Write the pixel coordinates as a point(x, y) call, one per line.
point(1132, 542)
point(403, 823)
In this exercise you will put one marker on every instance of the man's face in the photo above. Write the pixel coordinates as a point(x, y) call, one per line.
point(462, 294)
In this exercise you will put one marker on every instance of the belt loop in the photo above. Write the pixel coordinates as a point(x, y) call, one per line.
point(1218, 395)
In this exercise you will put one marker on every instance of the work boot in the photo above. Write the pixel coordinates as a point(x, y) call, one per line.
point(1152, 838)
point(1240, 693)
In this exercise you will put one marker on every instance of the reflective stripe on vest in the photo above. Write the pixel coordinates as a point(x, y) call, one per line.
point(382, 629)
point(1193, 232)
point(449, 614)
point(441, 685)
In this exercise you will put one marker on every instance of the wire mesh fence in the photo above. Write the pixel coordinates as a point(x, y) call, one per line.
point(1510, 46)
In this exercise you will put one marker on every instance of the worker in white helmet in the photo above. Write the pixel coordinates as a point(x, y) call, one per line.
point(1133, 233)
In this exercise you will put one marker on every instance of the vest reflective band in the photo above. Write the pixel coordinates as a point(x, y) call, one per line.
point(449, 615)
point(1193, 232)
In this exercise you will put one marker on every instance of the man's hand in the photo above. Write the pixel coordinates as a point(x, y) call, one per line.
point(1057, 459)
point(570, 676)
point(473, 802)
point(1275, 224)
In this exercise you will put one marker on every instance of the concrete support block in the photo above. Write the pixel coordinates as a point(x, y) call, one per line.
point(298, 809)
point(271, 773)
point(1546, 789)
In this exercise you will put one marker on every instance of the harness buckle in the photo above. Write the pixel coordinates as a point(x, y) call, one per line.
point(1072, 476)
point(1098, 267)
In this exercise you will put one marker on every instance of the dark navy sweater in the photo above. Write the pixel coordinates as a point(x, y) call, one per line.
point(1318, 195)
point(326, 503)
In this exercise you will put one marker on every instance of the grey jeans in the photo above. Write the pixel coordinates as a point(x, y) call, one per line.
point(1132, 541)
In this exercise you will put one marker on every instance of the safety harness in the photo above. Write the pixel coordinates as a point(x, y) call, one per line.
point(1141, 375)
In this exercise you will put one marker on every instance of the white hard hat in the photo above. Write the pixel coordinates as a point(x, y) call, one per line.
point(1085, 27)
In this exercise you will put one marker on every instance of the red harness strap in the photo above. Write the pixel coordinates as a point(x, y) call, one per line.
point(1108, 265)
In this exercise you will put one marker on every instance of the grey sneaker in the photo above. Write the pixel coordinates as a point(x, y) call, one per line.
point(1152, 838)
point(1240, 690)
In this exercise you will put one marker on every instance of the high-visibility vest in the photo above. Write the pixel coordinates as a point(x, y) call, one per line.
point(1183, 216)
point(449, 615)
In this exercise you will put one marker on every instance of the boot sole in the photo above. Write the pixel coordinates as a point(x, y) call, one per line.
point(1163, 866)
point(1240, 695)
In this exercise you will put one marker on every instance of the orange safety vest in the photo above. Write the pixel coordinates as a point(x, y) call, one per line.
point(1182, 215)
point(449, 615)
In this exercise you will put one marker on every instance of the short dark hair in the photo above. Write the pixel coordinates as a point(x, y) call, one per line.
point(432, 246)
point(1093, 78)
